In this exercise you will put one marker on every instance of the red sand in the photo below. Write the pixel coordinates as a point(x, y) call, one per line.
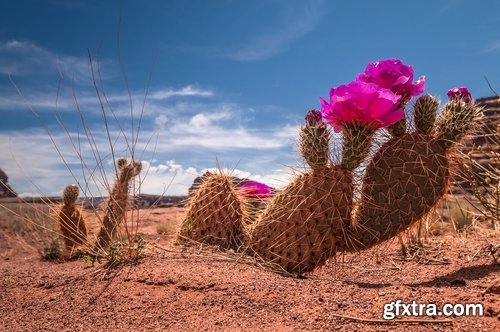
point(189, 290)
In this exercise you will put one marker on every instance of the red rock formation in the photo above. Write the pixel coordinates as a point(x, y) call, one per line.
point(5, 189)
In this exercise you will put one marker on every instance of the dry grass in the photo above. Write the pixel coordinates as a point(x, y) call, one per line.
point(35, 224)
point(25, 218)
point(166, 228)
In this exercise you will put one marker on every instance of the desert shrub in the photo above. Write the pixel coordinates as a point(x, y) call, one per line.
point(51, 250)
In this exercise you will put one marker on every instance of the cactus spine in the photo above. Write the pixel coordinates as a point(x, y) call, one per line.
point(118, 202)
point(71, 220)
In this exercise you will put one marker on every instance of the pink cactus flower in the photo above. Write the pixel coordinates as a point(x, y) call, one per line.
point(361, 102)
point(461, 93)
point(394, 75)
point(254, 189)
point(314, 118)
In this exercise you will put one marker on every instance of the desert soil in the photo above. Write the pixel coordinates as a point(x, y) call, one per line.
point(198, 289)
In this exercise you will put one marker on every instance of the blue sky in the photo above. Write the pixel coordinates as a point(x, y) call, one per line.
point(226, 80)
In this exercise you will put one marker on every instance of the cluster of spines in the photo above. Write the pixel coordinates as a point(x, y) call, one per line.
point(425, 110)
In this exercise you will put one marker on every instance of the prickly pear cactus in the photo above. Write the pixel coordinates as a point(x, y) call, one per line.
point(410, 173)
point(118, 202)
point(311, 219)
point(215, 214)
point(71, 220)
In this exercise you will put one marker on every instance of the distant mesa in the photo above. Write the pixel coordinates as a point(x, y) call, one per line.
point(5, 188)
point(485, 143)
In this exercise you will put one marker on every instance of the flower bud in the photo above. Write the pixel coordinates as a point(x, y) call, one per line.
point(314, 118)
point(460, 93)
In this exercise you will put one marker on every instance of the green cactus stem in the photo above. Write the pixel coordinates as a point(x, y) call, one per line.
point(458, 119)
point(315, 141)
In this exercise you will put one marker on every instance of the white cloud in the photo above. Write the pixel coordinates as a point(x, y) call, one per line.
point(25, 58)
point(157, 114)
point(168, 178)
point(207, 130)
point(187, 91)
point(160, 121)
point(50, 100)
point(34, 165)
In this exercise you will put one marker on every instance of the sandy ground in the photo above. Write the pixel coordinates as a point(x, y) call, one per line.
point(197, 289)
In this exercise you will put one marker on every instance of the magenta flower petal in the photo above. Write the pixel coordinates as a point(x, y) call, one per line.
point(361, 102)
point(392, 117)
point(254, 189)
point(419, 86)
point(460, 93)
point(394, 75)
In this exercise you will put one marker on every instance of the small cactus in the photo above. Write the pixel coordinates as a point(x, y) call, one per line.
point(118, 202)
point(71, 220)
point(457, 120)
point(215, 213)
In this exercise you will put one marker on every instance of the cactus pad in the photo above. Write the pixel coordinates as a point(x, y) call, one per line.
point(404, 180)
point(303, 225)
point(215, 213)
